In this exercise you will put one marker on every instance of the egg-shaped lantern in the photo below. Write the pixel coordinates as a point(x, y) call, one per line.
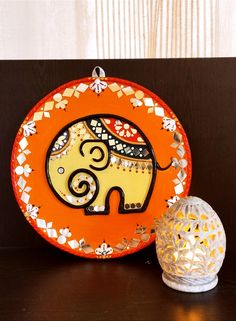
point(190, 245)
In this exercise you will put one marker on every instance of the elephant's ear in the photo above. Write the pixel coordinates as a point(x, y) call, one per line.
point(97, 154)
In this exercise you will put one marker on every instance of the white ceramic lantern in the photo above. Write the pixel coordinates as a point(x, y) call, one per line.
point(190, 245)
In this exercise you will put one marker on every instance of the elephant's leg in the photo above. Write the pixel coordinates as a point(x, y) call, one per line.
point(137, 193)
point(133, 203)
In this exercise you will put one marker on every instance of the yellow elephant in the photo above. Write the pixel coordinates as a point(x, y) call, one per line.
point(95, 155)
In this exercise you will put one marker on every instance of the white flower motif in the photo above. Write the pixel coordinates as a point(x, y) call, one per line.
point(98, 86)
point(29, 129)
point(61, 104)
point(179, 163)
point(26, 170)
point(104, 249)
point(65, 233)
point(31, 211)
point(136, 102)
point(169, 124)
point(124, 130)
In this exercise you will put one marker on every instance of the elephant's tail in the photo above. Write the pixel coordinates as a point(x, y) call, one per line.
point(164, 168)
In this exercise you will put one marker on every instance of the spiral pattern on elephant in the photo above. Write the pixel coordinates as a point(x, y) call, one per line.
point(83, 184)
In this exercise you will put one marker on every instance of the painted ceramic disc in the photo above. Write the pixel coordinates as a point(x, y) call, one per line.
point(95, 162)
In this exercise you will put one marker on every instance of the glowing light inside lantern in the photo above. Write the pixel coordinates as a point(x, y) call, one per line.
point(190, 245)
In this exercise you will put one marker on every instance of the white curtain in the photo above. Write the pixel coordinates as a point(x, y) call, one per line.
point(57, 29)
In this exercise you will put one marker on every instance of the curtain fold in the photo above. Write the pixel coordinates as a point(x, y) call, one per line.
point(57, 29)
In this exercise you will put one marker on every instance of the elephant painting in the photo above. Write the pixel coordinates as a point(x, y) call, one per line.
point(95, 155)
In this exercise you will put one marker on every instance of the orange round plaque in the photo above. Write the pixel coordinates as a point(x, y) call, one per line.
point(95, 162)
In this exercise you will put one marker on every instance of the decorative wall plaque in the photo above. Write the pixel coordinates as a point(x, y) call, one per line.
point(95, 161)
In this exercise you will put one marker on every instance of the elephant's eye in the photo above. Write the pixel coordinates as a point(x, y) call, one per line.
point(60, 170)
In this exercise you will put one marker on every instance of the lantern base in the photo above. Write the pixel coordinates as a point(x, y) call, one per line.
point(188, 284)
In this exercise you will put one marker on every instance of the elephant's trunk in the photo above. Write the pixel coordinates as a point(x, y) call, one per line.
point(164, 168)
point(83, 184)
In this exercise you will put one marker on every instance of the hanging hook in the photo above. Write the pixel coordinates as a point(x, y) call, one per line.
point(98, 72)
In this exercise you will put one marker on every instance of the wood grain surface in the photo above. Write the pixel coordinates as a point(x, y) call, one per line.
point(43, 283)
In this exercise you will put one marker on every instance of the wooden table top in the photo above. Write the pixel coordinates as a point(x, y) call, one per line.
point(50, 285)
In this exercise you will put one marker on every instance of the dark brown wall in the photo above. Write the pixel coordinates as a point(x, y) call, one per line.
point(202, 92)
